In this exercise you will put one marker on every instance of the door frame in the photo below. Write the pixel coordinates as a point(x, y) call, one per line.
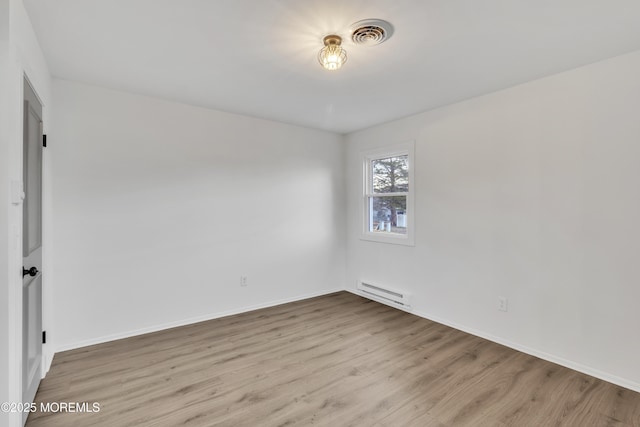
point(18, 76)
point(32, 327)
point(17, 61)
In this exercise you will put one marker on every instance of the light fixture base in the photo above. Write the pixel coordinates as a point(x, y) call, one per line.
point(332, 39)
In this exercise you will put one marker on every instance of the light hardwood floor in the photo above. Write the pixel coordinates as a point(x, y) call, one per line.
point(336, 360)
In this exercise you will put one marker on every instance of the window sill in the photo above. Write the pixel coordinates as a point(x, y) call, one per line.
point(397, 239)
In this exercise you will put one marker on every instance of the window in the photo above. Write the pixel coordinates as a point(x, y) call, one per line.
point(388, 195)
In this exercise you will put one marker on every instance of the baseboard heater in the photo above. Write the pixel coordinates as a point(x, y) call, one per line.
point(384, 294)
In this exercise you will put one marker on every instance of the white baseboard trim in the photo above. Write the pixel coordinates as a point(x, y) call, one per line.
point(192, 320)
point(47, 360)
point(631, 385)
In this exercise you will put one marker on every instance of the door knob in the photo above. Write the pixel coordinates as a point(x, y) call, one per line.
point(31, 272)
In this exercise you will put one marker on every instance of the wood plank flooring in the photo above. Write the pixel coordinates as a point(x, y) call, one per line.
point(336, 360)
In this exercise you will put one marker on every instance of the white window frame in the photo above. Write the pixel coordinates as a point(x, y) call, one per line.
point(407, 239)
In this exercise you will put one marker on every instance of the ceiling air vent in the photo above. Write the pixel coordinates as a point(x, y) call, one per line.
point(370, 32)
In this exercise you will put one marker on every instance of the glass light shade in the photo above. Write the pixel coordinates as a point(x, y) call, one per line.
point(332, 55)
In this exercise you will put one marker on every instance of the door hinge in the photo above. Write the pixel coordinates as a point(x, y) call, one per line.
point(44, 337)
point(44, 140)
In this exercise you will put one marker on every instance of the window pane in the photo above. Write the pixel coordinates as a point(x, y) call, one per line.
point(390, 175)
point(388, 214)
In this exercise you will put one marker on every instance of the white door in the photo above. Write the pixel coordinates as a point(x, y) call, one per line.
point(32, 246)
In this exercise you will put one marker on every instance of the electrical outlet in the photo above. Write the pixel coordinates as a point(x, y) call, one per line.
point(243, 280)
point(503, 303)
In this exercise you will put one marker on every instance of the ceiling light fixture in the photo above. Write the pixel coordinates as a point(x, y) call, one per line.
point(332, 55)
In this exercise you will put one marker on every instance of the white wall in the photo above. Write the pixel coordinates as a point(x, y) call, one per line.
point(160, 208)
point(5, 368)
point(529, 193)
point(20, 55)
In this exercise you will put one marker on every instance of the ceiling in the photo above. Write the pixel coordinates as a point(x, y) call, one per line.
point(258, 57)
